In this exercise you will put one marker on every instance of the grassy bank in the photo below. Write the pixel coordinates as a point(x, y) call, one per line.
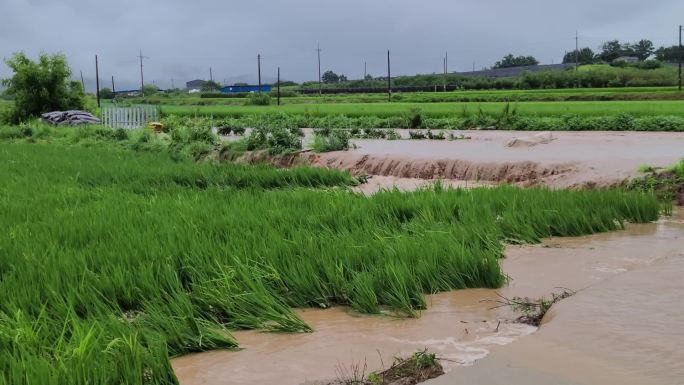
point(113, 260)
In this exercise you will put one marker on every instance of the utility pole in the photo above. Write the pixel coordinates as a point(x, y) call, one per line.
point(259, 70)
point(444, 74)
point(211, 75)
point(473, 66)
point(142, 78)
point(97, 82)
point(278, 85)
point(446, 69)
point(320, 85)
point(113, 89)
point(365, 71)
point(576, 50)
point(173, 86)
point(83, 82)
point(680, 57)
point(389, 78)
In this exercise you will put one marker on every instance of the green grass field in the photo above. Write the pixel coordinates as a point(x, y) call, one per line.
point(113, 261)
point(608, 108)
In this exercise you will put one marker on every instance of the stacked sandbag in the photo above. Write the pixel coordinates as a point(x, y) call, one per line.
point(71, 118)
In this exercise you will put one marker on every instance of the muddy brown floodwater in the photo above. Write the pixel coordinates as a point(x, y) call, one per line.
point(623, 326)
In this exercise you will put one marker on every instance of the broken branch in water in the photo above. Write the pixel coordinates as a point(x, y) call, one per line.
point(533, 309)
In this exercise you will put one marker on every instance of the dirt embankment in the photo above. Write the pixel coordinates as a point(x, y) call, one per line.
point(558, 160)
point(524, 172)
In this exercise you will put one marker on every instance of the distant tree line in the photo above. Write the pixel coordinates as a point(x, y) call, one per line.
point(510, 61)
point(613, 50)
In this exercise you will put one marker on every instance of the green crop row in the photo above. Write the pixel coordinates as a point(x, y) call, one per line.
point(439, 110)
point(508, 119)
point(539, 95)
point(112, 261)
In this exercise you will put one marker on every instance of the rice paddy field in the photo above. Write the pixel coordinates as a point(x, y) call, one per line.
point(113, 261)
point(550, 109)
point(567, 94)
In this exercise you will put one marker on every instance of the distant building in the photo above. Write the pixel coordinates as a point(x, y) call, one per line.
point(195, 84)
point(244, 89)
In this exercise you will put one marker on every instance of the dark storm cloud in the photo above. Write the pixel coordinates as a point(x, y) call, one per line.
point(184, 38)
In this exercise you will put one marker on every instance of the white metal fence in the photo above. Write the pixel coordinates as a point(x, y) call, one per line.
point(128, 117)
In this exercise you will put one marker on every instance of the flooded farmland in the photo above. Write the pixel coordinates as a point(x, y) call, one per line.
point(622, 323)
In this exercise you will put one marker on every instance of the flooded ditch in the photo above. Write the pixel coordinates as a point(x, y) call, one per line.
point(624, 317)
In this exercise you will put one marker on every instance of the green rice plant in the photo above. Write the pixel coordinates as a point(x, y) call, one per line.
point(113, 261)
point(335, 140)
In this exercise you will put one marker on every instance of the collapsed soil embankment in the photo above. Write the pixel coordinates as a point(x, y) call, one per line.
point(525, 172)
point(570, 160)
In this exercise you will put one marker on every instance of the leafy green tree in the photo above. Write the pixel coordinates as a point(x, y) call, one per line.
point(41, 86)
point(343, 78)
point(330, 77)
point(509, 61)
point(585, 56)
point(668, 54)
point(643, 49)
point(106, 93)
point(611, 50)
point(149, 90)
point(210, 85)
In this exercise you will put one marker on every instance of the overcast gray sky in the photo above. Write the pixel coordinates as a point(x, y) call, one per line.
point(184, 38)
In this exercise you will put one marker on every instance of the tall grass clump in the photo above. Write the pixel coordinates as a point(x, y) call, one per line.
point(113, 261)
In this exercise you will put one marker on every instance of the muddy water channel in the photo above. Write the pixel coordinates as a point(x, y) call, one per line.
point(625, 324)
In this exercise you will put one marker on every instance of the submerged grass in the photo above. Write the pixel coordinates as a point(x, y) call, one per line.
point(112, 261)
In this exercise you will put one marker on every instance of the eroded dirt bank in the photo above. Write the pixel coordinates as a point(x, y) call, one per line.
point(571, 159)
point(624, 319)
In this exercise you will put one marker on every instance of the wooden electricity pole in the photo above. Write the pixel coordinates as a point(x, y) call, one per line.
point(259, 70)
point(83, 82)
point(142, 78)
point(389, 78)
point(97, 82)
point(278, 85)
point(320, 85)
point(576, 51)
point(679, 56)
point(446, 69)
